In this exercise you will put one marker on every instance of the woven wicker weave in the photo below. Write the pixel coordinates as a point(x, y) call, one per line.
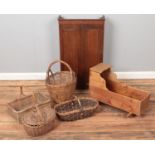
point(77, 108)
point(61, 85)
point(24, 103)
point(39, 120)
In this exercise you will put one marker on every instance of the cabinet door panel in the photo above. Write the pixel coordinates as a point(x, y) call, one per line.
point(70, 45)
point(92, 48)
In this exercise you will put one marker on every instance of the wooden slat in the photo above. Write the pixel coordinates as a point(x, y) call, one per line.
point(126, 135)
point(16, 83)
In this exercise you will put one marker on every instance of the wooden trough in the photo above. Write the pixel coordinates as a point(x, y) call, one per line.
point(105, 87)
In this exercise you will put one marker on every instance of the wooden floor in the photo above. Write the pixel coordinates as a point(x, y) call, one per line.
point(107, 123)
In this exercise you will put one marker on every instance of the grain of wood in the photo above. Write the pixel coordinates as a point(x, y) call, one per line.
point(105, 87)
point(107, 123)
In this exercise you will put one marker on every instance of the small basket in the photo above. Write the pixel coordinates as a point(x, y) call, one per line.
point(39, 120)
point(24, 103)
point(61, 85)
point(77, 108)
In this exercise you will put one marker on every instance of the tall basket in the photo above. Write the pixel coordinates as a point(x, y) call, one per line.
point(61, 85)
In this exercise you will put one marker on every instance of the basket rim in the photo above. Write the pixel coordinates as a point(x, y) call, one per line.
point(25, 109)
point(63, 84)
point(77, 110)
point(42, 125)
point(60, 85)
point(74, 113)
point(89, 98)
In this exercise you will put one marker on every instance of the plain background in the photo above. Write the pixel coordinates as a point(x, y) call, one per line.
point(29, 42)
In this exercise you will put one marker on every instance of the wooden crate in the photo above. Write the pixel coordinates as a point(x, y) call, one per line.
point(105, 87)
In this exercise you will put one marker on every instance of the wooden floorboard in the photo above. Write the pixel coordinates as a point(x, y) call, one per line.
point(107, 123)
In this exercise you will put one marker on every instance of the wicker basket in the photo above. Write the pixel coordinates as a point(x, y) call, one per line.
point(39, 120)
point(77, 108)
point(24, 103)
point(61, 85)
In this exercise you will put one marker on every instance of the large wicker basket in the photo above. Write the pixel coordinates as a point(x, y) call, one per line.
point(75, 109)
point(61, 85)
point(39, 120)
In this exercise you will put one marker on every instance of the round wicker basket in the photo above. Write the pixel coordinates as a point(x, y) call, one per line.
point(61, 85)
point(39, 120)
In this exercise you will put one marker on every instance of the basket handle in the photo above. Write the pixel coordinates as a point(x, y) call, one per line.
point(79, 102)
point(58, 61)
point(21, 91)
point(37, 108)
point(21, 94)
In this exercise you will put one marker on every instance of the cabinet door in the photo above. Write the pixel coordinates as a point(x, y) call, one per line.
point(81, 43)
point(70, 45)
point(92, 48)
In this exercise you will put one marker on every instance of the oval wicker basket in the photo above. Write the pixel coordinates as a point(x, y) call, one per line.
point(39, 120)
point(61, 85)
point(75, 109)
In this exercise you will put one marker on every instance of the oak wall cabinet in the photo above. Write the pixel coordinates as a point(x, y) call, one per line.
point(81, 45)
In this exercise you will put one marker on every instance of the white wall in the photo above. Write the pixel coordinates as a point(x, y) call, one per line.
point(29, 42)
point(130, 42)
